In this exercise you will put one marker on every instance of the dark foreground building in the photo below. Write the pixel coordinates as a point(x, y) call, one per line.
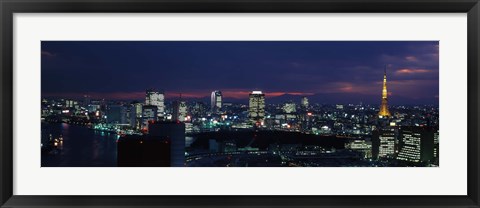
point(385, 143)
point(411, 144)
point(163, 146)
point(174, 133)
point(416, 144)
point(142, 151)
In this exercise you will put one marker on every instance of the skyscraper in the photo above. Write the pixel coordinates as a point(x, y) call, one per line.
point(436, 144)
point(179, 111)
point(256, 104)
point(135, 116)
point(116, 114)
point(417, 144)
point(155, 98)
point(384, 143)
point(149, 115)
point(138, 109)
point(384, 112)
point(216, 101)
point(304, 103)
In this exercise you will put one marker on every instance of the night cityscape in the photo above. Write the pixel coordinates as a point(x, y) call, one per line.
point(240, 104)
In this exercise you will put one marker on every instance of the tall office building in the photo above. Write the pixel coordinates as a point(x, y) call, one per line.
point(216, 101)
point(384, 112)
point(138, 107)
point(256, 105)
point(136, 110)
point(179, 111)
point(384, 143)
point(156, 98)
point(304, 103)
point(436, 141)
point(416, 144)
point(86, 100)
point(149, 115)
point(116, 114)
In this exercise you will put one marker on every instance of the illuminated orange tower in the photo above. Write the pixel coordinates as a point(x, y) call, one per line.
point(384, 112)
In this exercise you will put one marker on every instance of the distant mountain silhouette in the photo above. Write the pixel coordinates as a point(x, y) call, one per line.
point(330, 98)
point(342, 98)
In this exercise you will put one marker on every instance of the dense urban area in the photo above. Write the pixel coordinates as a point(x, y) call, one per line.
point(197, 133)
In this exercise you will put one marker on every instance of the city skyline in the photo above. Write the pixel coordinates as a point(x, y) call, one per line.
point(284, 70)
point(257, 108)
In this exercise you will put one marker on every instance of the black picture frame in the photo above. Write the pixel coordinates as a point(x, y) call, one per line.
point(9, 7)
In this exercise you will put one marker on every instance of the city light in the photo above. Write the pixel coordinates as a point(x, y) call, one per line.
point(281, 113)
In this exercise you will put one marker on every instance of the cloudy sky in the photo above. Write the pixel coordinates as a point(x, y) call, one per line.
point(325, 71)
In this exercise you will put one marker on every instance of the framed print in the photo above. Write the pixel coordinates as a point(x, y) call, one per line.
point(247, 104)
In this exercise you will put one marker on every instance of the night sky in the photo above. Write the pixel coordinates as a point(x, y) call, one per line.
point(325, 71)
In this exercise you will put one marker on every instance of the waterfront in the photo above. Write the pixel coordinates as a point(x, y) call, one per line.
point(81, 146)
